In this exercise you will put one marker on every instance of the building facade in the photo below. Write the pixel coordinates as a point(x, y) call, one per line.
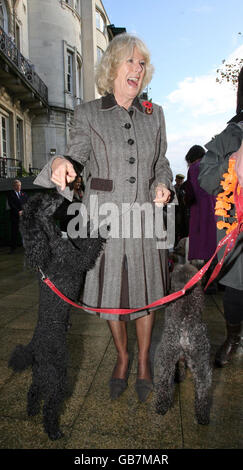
point(22, 93)
point(48, 53)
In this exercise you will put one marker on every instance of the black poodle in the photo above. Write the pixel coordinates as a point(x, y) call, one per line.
point(64, 261)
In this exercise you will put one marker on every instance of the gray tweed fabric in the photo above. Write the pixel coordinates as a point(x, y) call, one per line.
point(124, 152)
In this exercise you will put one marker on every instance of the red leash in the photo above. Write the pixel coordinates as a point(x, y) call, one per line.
point(229, 240)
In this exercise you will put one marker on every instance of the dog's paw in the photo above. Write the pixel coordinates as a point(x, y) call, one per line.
point(33, 409)
point(54, 436)
point(161, 408)
point(202, 410)
point(204, 420)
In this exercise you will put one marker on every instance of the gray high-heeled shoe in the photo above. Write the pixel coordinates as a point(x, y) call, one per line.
point(143, 388)
point(118, 386)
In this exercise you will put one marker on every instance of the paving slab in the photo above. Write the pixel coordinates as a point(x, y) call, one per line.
point(89, 419)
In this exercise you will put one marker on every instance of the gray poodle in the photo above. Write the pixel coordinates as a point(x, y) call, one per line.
point(184, 342)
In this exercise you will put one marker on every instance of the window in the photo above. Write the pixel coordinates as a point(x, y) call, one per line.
point(5, 144)
point(17, 36)
point(73, 74)
point(70, 72)
point(73, 4)
point(19, 140)
point(99, 54)
point(100, 21)
point(76, 5)
point(79, 91)
point(3, 16)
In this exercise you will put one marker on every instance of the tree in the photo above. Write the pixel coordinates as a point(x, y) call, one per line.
point(230, 71)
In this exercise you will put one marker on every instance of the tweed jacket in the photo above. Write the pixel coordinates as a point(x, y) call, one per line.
point(212, 167)
point(124, 151)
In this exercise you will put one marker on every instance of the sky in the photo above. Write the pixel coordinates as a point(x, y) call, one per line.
point(188, 40)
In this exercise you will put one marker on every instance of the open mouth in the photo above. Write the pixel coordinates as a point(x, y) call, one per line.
point(133, 82)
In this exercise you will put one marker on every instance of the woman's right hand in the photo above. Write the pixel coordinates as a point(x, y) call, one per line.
point(62, 172)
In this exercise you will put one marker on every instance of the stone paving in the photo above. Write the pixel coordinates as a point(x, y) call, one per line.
point(90, 420)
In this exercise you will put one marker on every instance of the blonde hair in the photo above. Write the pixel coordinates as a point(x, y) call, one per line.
point(117, 51)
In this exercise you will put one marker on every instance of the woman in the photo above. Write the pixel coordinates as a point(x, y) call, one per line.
point(78, 188)
point(202, 223)
point(61, 213)
point(124, 142)
point(212, 168)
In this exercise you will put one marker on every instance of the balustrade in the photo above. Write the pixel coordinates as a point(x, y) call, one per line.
point(9, 50)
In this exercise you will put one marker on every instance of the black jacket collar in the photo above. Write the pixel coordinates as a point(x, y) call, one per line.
point(237, 118)
point(109, 102)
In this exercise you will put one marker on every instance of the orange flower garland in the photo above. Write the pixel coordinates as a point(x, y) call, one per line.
point(225, 199)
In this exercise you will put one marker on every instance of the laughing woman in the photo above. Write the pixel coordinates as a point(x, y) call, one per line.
point(123, 140)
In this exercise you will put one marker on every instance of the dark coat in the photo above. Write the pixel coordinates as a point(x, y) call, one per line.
point(202, 225)
point(212, 167)
point(16, 203)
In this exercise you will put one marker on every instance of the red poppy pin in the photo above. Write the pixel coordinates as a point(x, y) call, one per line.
point(148, 107)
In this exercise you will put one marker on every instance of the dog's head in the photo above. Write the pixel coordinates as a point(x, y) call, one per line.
point(38, 213)
point(180, 248)
point(37, 227)
point(41, 206)
point(181, 274)
point(192, 302)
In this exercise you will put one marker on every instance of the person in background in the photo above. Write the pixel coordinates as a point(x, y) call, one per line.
point(78, 188)
point(179, 179)
point(179, 209)
point(123, 140)
point(61, 213)
point(202, 224)
point(16, 199)
point(213, 166)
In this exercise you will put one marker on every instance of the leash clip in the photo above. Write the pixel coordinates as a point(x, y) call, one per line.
point(43, 277)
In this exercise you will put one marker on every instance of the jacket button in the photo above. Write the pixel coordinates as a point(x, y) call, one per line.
point(131, 160)
point(132, 179)
point(127, 125)
point(130, 141)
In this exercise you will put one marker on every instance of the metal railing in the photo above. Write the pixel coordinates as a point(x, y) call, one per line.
point(10, 167)
point(13, 168)
point(33, 171)
point(14, 56)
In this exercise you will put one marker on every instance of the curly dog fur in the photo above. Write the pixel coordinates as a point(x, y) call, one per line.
point(184, 339)
point(64, 261)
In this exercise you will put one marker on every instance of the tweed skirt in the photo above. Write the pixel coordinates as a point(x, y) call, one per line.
point(130, 273)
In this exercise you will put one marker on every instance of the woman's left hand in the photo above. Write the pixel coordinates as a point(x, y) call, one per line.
point(163, 195)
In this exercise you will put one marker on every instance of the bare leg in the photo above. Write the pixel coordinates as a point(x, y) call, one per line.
point(144, 327)
point(119, 333)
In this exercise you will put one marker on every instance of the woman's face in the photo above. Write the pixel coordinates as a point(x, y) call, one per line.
point(130, 74)
point(77, 183)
